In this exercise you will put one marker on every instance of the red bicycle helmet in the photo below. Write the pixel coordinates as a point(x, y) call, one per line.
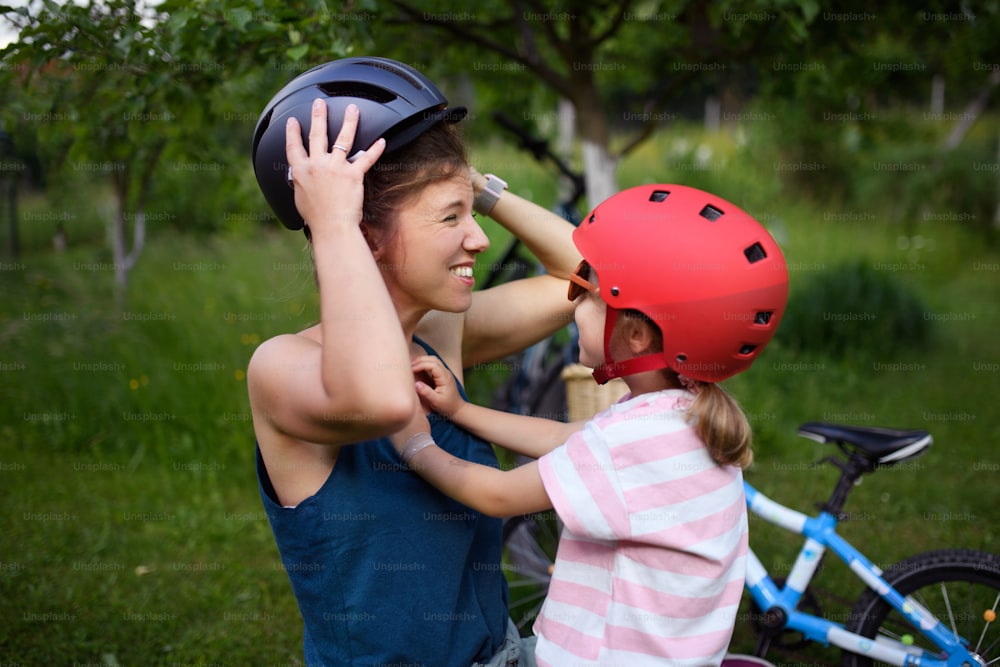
point(396, 102)
point(708, 274)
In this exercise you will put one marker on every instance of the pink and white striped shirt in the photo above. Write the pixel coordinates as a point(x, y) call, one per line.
point(651, 562)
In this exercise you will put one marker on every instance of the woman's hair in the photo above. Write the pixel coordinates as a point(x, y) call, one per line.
point(715, 415)
point(437, 154)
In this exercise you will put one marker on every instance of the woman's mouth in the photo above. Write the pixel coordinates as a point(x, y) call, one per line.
point(464, 272)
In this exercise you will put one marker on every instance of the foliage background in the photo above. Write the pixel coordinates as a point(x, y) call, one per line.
point(133, 530)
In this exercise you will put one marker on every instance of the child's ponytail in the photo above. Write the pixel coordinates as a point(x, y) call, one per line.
point(715, 415)
point(720, 423)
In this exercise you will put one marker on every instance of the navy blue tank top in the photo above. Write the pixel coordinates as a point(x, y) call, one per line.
point(386, 569)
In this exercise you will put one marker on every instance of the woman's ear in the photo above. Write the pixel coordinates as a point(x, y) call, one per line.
point(371, 237)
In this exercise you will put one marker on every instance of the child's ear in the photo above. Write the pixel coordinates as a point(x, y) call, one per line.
point(639, 336)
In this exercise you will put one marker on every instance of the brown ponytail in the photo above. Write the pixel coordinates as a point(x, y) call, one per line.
point(715, 415)
point(720, 423)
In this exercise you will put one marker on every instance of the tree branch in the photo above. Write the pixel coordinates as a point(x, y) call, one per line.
point(648, 126)
point(462, 31)
point(614, 27)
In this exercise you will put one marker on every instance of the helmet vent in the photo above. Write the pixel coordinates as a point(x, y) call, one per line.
point(710, 213)
point(763, 317)
point(755, 253)
point(397, 69)
point(747, 348)
point(356, 89)
point(659, 196)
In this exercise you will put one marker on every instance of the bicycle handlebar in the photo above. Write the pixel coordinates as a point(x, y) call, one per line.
point(539, 149)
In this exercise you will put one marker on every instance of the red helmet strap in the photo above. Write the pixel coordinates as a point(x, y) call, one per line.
point(616, 369)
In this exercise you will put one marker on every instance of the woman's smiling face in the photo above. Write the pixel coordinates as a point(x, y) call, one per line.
point(428, 261)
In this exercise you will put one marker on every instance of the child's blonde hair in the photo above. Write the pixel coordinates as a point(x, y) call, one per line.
point(720, 423)
point(715, 415)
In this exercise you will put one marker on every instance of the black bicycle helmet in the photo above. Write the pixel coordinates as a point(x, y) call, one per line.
point(396, 102)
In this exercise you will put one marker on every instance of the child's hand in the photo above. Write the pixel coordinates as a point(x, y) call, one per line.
point(436, 386)
point(418, 424)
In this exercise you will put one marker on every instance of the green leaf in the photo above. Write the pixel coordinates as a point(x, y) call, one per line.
point(179, 19)
point(297, 53)
point(810, 8)
point(239, 17)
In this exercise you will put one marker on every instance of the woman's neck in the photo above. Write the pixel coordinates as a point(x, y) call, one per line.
point(409, 320)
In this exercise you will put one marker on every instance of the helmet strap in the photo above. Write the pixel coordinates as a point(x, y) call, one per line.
point(615, 369)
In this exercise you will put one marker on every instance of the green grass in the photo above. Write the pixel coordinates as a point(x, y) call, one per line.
point(133, 530)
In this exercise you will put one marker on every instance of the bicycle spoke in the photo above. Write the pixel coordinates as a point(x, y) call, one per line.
point(527, 581)
point(951, 615)
point(986, 627)
point(529, 617)
point(539, 595)
point(989, 649)
point(900, 630)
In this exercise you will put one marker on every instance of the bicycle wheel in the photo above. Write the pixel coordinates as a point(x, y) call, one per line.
point(960, 587)
point(529, 549)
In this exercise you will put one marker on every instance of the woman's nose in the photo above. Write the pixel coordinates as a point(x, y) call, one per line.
point(475, 238)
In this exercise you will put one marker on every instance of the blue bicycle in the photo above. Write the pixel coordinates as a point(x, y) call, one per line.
point(933, 609)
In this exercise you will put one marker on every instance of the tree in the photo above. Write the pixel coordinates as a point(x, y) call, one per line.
point(620, 63)
point(120, 83)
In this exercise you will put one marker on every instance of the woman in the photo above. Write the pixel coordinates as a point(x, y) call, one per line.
point(387, 570)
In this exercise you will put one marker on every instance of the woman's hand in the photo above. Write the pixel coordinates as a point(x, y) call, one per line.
point(436, 386)
point(329, 190)
point(478, 181)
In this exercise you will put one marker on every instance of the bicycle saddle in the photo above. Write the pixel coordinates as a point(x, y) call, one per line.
point(885, 445)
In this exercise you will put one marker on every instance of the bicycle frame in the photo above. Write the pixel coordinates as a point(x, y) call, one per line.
point(821, 534)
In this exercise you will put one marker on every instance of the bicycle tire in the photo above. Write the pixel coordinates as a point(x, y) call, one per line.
point(959, 586)
point(530, 543)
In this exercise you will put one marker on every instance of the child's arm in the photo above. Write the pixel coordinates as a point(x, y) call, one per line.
point(531, 436)
point(493, 492)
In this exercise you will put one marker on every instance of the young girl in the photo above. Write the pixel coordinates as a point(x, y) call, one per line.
point(678, 290)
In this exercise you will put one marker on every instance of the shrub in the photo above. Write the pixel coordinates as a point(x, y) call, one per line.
point(854, 307)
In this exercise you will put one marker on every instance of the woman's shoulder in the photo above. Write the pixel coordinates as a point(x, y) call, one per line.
point(281, 349)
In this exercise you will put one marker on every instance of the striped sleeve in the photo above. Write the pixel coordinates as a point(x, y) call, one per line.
point(582, 483)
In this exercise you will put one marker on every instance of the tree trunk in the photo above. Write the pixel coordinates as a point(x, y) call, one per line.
point(600, 167)
point(124, 259)
point(713, 113)
point(598, 163)
point(996, 214)
point(972, 112)
point(937, 95)
point(118, 243)
point(566, 139)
